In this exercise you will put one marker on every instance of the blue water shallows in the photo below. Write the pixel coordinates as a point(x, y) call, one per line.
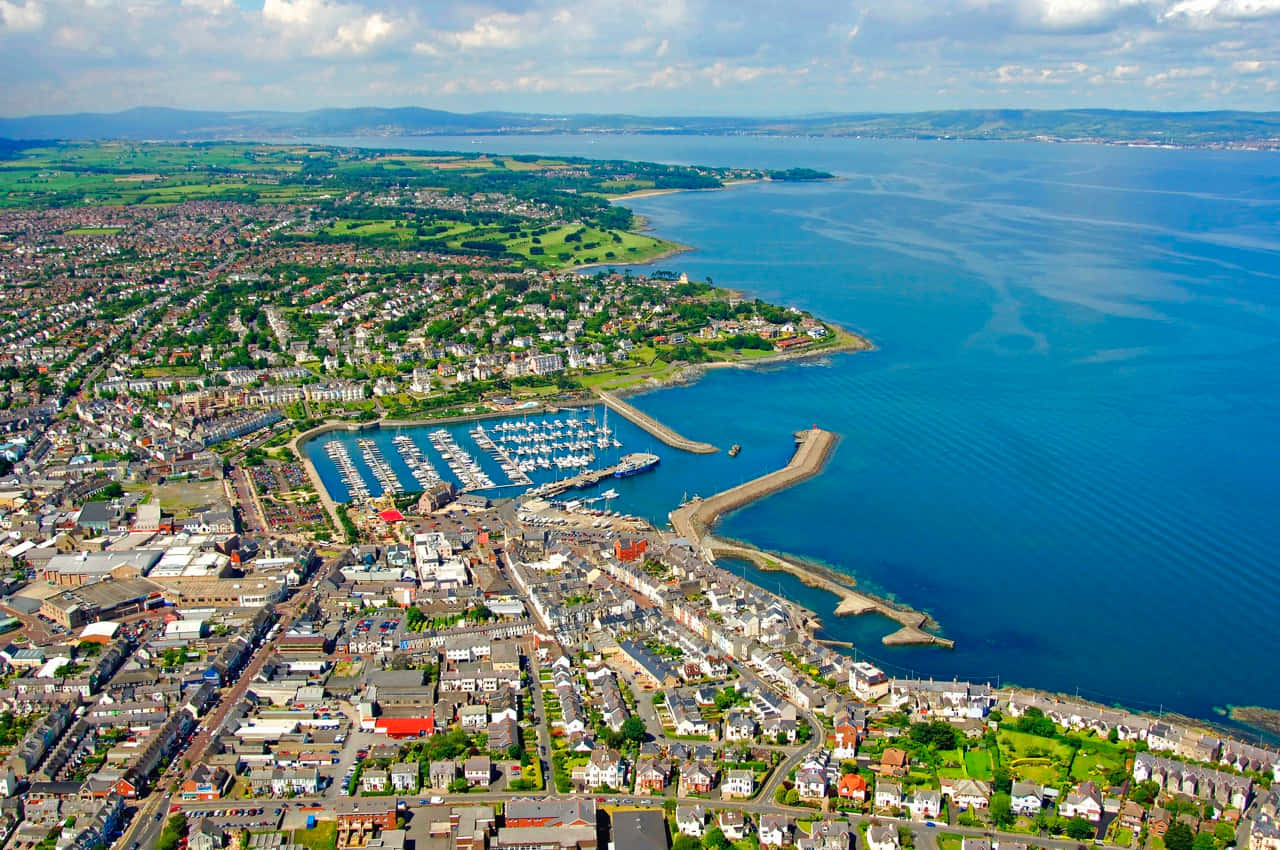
point(1064, 447)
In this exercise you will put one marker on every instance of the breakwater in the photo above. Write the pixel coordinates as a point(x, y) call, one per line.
point(694, 521)
point(654, 427)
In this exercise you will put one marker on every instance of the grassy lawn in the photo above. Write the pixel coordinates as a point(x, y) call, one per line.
point(1032, 757)
point(323, 836)
point(977, 763)
point(950, 841)
point(1095, 760)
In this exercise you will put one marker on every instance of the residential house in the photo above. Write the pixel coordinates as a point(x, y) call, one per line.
point(477, 770)
point(967, 794)
point(1084, 802)
point(827, 835)
point(696, 778)
point(852, 786)
point(1264, 833)
point(404, 776)
point(739, 726)
point(1026, 798)
point(776, 831)
point(652, 775)
point(894, 762)
point(604, 769)
point(925, 803)
point(1132, 815)
point(733, 824)
point(888, 795)
point(206, 836)
point(883, 836)
point(811, 783)
point(691, 820)
point(373, 781)
point(1159, 822)
point(441, 773)
point(739, 783)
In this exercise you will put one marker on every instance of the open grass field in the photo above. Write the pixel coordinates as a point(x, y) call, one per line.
point(1032, 757)
point(323, 836)
point(977, 764)
point(1096, 759)
point(559, 247)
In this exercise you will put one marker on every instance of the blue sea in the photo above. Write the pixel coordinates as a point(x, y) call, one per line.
point(1065, 445)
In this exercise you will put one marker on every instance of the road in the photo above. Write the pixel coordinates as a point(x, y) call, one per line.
point(214, 721)
point(926, 836)
point(246, 498)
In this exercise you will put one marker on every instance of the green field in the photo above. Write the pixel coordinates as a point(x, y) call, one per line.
point(977, 763)
point(374, 198)
point(1096, 759)
point(1032, 757)
point(323, 836)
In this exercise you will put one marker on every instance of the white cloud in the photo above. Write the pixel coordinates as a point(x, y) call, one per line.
point(499, 30)
point(28, 17)
point(1223, 10)
point(1250, 66)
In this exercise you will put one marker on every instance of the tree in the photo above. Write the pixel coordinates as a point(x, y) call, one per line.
point(1145, 792)
point(1204, 841)
point(686, 842)
point(1080, 829)
point(1113, 736)
point(1179, 837)
point(1002, 780)
point(1001, 809)
point(458, 786)
point(791, 797)
point(633, 729)
point(1033, 722)
point(939, 734)
point(715, 840)
point(515, 751)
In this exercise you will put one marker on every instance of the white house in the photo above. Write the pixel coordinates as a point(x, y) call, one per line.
point(925, 803)
point(888, 795)
point(738, 783)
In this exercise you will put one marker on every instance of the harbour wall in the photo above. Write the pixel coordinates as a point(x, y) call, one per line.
point(694, 522)
point(654, 427)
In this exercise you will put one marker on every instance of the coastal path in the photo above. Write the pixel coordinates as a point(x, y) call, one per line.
point(653, 426)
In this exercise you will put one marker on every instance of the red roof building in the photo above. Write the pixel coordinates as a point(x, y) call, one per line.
point(405, 727)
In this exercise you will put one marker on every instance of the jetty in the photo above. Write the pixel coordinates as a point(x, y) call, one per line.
point(695, 519)
point(653, 426)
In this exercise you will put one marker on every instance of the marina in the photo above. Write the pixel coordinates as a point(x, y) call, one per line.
point(517, 472)
point(422, 470)
point(462, 464)
point(382, 471)
point(351, 477)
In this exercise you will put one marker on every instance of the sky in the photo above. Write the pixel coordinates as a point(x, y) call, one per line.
point(645, 57)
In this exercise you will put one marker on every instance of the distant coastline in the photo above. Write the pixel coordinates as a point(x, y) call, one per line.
point(1223, 129)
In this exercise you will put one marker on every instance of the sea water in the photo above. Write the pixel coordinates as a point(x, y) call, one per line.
point(1065, 445)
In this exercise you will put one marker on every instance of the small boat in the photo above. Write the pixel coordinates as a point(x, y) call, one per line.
point(734, 449)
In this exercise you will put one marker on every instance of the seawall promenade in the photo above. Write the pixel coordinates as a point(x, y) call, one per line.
point(694, 521)
point(654, 427)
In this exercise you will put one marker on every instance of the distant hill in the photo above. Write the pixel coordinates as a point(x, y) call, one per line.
point(1102, 125)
